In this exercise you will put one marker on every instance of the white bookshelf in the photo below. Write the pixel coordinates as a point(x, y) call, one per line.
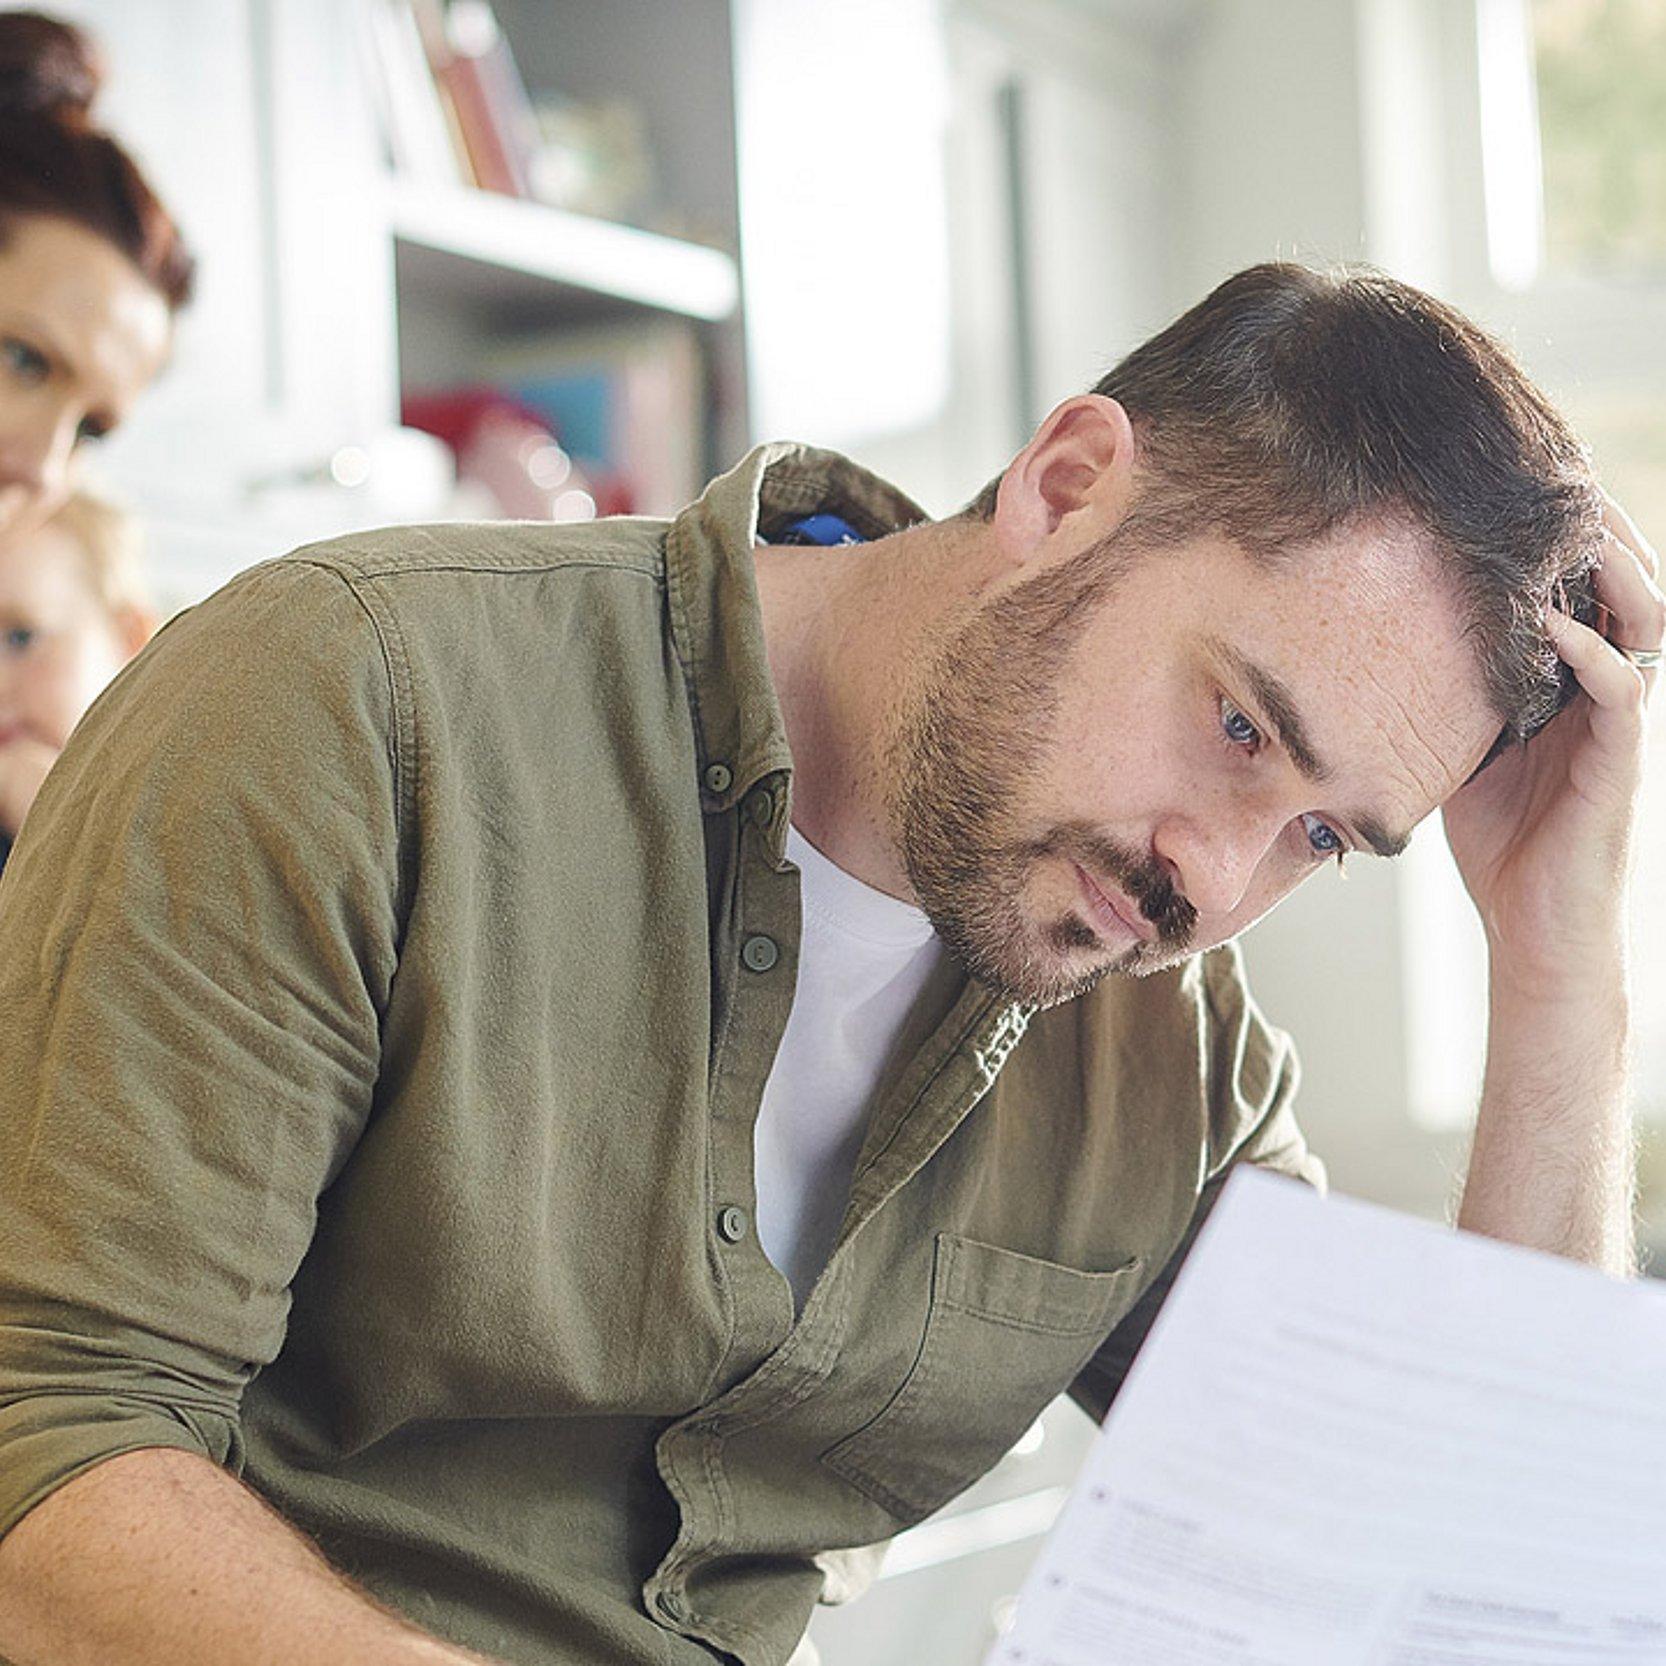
point(499, 251)
point(330, 288)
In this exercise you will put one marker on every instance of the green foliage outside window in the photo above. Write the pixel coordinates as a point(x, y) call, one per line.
point(1602, 118)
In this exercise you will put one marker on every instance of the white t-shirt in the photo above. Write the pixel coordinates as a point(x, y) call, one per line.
point(863, 960)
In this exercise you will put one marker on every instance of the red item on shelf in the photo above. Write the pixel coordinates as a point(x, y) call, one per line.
point(453, 414)
point(506, 447)
point(495, 165)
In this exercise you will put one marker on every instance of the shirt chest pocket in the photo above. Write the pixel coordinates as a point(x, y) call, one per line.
point(1005, 1333)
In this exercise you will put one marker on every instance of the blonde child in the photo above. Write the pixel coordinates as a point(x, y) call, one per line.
point(73, 611)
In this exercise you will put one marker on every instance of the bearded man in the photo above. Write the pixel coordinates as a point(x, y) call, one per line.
point(606, 1071)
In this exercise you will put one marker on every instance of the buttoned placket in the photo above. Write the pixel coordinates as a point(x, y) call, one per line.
point(773, 1362)
point(922, 1112)
point(758, 935)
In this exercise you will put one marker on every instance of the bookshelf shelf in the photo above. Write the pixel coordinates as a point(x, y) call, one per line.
point(513, 254)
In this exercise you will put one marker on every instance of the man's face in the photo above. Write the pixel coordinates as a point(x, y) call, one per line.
point(1112, 785)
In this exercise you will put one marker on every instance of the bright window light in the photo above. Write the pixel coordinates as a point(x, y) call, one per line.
point(844, 236)
point(1601, 87)
point(1510, 143)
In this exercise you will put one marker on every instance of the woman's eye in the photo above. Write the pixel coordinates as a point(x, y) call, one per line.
point(1237, 728)
point(27, 363)
point(1323, 839)
point(17, 638)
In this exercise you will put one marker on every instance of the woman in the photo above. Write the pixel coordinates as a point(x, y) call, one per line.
point(92, 273)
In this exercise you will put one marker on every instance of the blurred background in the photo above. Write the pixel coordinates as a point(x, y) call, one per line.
point(550, 257)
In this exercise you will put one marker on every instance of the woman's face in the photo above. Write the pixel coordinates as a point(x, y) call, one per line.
point(81, 333)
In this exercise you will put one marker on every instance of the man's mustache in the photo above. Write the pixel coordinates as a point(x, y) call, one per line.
point(1151, 888)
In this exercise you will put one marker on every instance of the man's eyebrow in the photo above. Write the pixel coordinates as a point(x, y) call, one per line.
point(1274, 698)
point(1379, 838)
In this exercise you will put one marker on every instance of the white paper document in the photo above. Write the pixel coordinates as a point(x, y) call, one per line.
point(1359, 1439)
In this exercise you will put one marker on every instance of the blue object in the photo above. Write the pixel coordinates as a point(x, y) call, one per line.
point(581, 410)
point(823, 529)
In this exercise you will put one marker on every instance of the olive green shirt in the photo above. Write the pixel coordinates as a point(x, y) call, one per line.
point(389, 976)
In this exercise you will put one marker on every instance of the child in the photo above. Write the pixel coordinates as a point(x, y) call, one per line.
point(72, 612)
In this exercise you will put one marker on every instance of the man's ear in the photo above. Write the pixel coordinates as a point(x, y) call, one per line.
point(1078, 469)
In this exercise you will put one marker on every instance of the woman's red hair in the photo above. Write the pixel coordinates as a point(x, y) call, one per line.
point(53, 161)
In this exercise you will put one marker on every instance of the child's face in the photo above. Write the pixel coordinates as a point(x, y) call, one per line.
point(59, 645)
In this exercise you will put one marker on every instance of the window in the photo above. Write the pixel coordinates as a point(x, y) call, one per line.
point(1600, 81)
point(1601, 85)
point(1570, 100)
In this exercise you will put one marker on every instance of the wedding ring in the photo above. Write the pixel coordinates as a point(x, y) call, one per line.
point(1645, 659)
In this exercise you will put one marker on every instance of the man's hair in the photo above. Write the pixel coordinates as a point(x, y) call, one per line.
point(1290, 403)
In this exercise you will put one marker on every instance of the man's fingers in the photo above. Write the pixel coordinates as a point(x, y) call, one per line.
point(1625, 587)
point(1621, 526)
point(1605, 674)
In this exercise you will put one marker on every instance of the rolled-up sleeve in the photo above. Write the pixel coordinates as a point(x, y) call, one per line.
point(198, 933)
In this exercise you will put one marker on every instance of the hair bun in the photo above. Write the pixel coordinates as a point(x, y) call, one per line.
point(47, 68)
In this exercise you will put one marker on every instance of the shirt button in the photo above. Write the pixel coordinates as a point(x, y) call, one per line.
point(759, 953)
point(731, 1224)
point(761, 806)
point(718, 778)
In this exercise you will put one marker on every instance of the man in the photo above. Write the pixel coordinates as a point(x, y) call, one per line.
point(392, 973)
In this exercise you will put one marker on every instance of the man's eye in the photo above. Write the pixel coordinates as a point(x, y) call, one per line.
point(27, 363)
point(1323, 839)
point(1237, 728)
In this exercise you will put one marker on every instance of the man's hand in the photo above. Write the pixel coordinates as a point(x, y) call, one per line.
point(23, 766)
point(1543, 840)
point(1542, 836)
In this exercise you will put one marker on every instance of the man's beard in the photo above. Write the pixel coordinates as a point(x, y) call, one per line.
point(964, 757)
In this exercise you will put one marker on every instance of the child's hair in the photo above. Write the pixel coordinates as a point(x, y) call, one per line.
point(111, 544)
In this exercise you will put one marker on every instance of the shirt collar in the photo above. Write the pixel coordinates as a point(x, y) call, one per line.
point(716, 623)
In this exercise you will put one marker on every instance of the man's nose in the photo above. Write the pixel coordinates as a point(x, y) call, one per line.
point(1212, 860)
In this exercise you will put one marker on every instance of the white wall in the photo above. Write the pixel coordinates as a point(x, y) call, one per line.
point(1093, 229)
point(1266, 128)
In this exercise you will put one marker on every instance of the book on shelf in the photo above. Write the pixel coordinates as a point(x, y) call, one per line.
point(408, 102)
point(429, 19)
point(449, 94)
point(477, 69)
